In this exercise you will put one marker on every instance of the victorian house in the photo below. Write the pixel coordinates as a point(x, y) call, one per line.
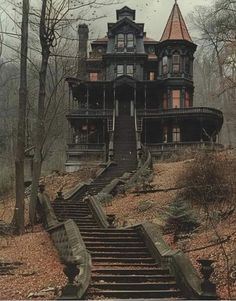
point(134, 81)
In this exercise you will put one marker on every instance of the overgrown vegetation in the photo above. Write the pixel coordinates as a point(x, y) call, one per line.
point(180, 218)
point(208, 179)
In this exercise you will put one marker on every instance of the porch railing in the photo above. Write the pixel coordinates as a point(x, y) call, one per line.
point(194, 110)
point(165, 147)
point(86, 146)
point(91, 112)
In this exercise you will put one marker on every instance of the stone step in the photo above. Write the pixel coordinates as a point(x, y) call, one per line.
point(145, 294)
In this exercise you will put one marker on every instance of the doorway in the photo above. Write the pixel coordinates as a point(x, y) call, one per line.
point(125, 97)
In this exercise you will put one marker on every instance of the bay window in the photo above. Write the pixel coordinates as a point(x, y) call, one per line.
point(175, 99)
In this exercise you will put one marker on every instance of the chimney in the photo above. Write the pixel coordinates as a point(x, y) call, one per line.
point(83, 32)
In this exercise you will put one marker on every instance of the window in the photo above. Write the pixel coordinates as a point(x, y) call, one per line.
point(165, 65)
point(176, 134)
point(165, 102)
point(121, 41)
point(187, 100)
point(165, 134)
point(120, 70)
point(176, 63)
point(130, 70)
point(93, 76)
point(125, 41)
point(151, 75)
point(130, 40)
point(176, 99)
point(187, 65)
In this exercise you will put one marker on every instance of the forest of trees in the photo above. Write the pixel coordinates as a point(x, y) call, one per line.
point(43, 52)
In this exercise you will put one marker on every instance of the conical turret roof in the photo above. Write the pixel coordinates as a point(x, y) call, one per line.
point(176, 28)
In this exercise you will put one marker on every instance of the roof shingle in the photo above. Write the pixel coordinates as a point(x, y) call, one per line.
point(176, 28)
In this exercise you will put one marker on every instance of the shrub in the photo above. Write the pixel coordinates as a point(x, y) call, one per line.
point(180, 218)
point(206, 179)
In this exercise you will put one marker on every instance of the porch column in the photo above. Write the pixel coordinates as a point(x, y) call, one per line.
point(145, 96)
point(87, 104)
point(104, 97)
point(116, 105)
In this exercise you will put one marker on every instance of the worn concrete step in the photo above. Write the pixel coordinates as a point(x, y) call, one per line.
point(137, 270)
point(146, 294)
point(112, 235)
point(135, 286)
point(116, 249)
point(124, 255)
point(114, 244)
point(107, 239)
point(132, 278)
point(123, 260)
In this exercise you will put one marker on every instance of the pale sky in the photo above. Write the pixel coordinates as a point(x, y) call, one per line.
point(153, 13)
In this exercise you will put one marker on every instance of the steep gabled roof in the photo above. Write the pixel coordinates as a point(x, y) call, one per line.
point(176, 28)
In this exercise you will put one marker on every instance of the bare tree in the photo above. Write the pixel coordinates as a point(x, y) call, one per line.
point(20, 148)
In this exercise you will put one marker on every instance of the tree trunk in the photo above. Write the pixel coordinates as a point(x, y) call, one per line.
point(40, 129)
point(18, 219)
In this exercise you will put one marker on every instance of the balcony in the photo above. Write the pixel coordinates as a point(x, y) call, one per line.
point(91, 113)
point(182, 112)
point(159, 148)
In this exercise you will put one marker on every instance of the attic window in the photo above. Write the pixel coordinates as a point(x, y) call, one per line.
point(130, 40)
point(121, 41)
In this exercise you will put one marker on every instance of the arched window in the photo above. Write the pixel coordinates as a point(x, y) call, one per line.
point(176, 63)
point(165, 64)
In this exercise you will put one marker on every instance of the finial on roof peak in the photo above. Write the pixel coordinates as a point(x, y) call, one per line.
point(176, 1)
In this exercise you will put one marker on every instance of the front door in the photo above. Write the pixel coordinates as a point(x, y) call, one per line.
point(124, 95)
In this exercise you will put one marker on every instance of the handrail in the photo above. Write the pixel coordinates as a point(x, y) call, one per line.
point(112, 135)
point(96, 112)
point(179, 264)
point(137, 134)
point(69, 244)
point(72, 250)
point(192, 110)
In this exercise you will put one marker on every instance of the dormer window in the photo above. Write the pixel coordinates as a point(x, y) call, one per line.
point(176, 63)
point(125, 42)
point(121, 41)
point(130, 40)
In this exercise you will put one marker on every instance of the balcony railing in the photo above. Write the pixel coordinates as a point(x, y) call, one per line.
point(167, 147)
point(86, 147)
point(180, 111)
point(91, 112)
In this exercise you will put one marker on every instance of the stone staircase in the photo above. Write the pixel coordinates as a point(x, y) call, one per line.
point(122, 265)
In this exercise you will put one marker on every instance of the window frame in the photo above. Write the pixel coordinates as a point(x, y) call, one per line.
point(176, 134)
point(176, 64)
point(93, 76)
point(120, 39)
point(128, 40)
point(174, 98)
point(117, 70)
point(165, 67)
point(132, 67)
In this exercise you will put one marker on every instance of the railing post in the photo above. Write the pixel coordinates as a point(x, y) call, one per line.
point(208, 288)
point(69, 291)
